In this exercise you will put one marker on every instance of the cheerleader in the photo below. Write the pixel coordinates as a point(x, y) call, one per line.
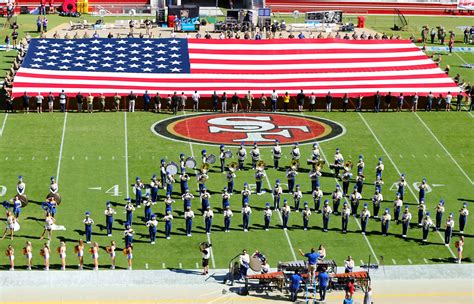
point(62, 254)
point(11, 222)
point(28, 252)
point(45, 252)
point(129, 253)
point(459, 246)
point(79, 250)
point(10, 253)
point(111, 251)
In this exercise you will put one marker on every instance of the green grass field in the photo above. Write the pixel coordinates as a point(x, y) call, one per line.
point(89, 151)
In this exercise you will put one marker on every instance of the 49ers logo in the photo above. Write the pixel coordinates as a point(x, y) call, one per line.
point(233, 129)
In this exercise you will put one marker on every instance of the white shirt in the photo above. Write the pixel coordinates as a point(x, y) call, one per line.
point(228, 213)
point(274, 96)
point(247, 210)
point(244, 259)
point(196, 97)
point(208, 214)
point(267, 212)
point(189, 214)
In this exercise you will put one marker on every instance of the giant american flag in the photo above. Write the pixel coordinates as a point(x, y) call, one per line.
point(166, 65)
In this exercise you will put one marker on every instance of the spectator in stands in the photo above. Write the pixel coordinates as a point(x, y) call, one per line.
point(95, 35)
point(56, 35)
point(110, 35)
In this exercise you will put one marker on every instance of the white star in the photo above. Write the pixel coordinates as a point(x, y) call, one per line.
point(66, 60)
point(82, 45)
point(160, 45)
point(43, 41)
point(95, 41)
point(175, 55)
point(161, 59)
point(40, 53)
point(120, 69)
point(108, 52)
point(37, 59)
point(91, 68)
point(107, 58)
point(81, 51)
point(161, 52)
point(161, 66)
point(134, 65)
point(148, 62)
point(64, 67)
point(51, 63)
point(53, 57)
point(134, 45)
point(147, 55)
point(94, 55)
point(122, 41)
point(174, 48)
point(69, 42)
point(95, 48)
point(174, 41)
point(108, 45)
point(135, 52)
point(107, 65)
point(147, 48)
point(134, 59)
point(78, 64)
point(121, 48)
point(80, 58)
point(147, 70)
point(175, 70)
point(175, 62)
point(55, 45)
point(147, 41)
point(120, 62)
point(42, 47)
point(54, 51)
point(121, 55)
point(35, 65)
point(68, 48)
point(93, 61)
point(67, 55)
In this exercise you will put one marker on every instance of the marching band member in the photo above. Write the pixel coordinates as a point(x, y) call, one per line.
point(285, 214)
point(422, 190)
point(222, 157)
point(255, 154)
point(169, 180)
point(459, 246)
point(62, 254)
point(147, 203)
point(364, 218)
point(154, 185)
point(355, 198)
point(246, 194)
point(208, 215)
point(406, 218)
point(267, 216)
point(10, 253)
point(297, 195)
point(317, 195)
point(45, 253)
point(360, 182)
point(152, 225)
point(421, 212)
point(48, 226)
point(463, 213)
point(28, 252)
point(426, 224)
point(128, 235)
point(349, 265)
point(183, 181)
point(246, 211)
point(111, 251)
point(109, 218)
point(129, 208)
point(360, 165)
point(314, 176)
point(168, 203)
point(306, 214)
point(227, 217)
point(182, 163)
point(241, 155)
point(188, 216)
point(20, 186)
point(259, 175)
point(401, 186)
point(386, 218)
point(129, 253)
point(163, 172)
point(346, 212)
point(11, 220)
point(346, 178)
point(379, 168)
point(79, 249)
point(336, 198)
point(244, 261)
point(378, 183)
point(204, 196)
point(397, 206)
point(95, 255)
point(315, 153)
point(53, 187)
point(295, 152)
point(338, 162)
point(448, 232)
point(439, 214)
point(276, 152)
point(377, 201)
point(202, 177)
point(168, 218)
point(16, 207)
point(138, 187)
point(326, 214)
point(291, 176)
point(187, 199)
point(88, 222)
point(204, 156)
point(230, 181)
point(277, 192)
point(225, 199)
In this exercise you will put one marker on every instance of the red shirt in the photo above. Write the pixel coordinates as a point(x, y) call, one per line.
point(351, 288)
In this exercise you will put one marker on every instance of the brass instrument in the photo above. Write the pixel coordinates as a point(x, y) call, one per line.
point(204, 168)
point(295, 164)
point(233, 166)
point(260, 165)
point(348, 165)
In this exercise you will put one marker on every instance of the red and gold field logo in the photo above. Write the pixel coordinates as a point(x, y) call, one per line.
point(236, 128)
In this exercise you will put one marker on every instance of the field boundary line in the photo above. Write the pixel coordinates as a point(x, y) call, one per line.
point(398, 171)
point(61, 146)
point(3, 125)
point(126, 154)
point(195, 171)
point(444, 148)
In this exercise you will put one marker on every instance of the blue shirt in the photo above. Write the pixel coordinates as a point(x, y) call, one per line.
point(348, 301)
point(312, 258)
point(323, 278)
point(295, 282)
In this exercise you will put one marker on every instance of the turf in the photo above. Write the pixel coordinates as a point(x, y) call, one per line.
point(93, 155)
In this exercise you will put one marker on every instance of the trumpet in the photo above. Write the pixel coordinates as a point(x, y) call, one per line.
point(204, 167)
point(260, 165)
point(295, 164)
point(233, 166)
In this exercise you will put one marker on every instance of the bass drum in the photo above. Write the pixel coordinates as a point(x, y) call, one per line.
point(56, 196)
point(190, 163)
point(23, 199)
point(255, 264)
point(172, 168)
point(211, 159)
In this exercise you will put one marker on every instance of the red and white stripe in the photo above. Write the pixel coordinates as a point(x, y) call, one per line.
point(284, 65)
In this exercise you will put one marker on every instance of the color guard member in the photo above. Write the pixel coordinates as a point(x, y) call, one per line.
point(62, 254)
point(306, 214)
point(397, 206)
point(426, 224)
point(422, 190)
point(326, 214)
point(377, 202)
point(79, 250)
point(386, 218)
point(152, 225)
point(336, 198)
point(246, 211)
point(168, 203)
point(255, 154)
point(138, 188)
point(448, 232)
point(277, 192)
point(168, 218)
point(154, 185)
point(187, 198)
point(183, 181)
point(227, 217)
point(317, 195)
point(439, 214)
point(379, 169)
point(297, 195)
point(346, 212)
point(276, 152)
point(246, 194)
point(20, 186)
point(16, 207)
point(267, 216)
point(11, 222)
point(355, 198)
point(188, 216)
point(208, 215)
point(241, 155)
point(360, 165)
point(128, 235)
point(364, 218)
point(129, 208)
point(421, 212)
point(406, 218)
point(53, 187)
point(109, 218)
point(401, 186)
point(463, 213)
point(225, 199)
point(28, 252)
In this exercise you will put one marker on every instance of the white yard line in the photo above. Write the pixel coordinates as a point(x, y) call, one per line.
point(398, 171)
point(126, 155)
point(195, 171)
point(61, 148)
point(444, 148)
point(3, 125)
point(470, 114)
